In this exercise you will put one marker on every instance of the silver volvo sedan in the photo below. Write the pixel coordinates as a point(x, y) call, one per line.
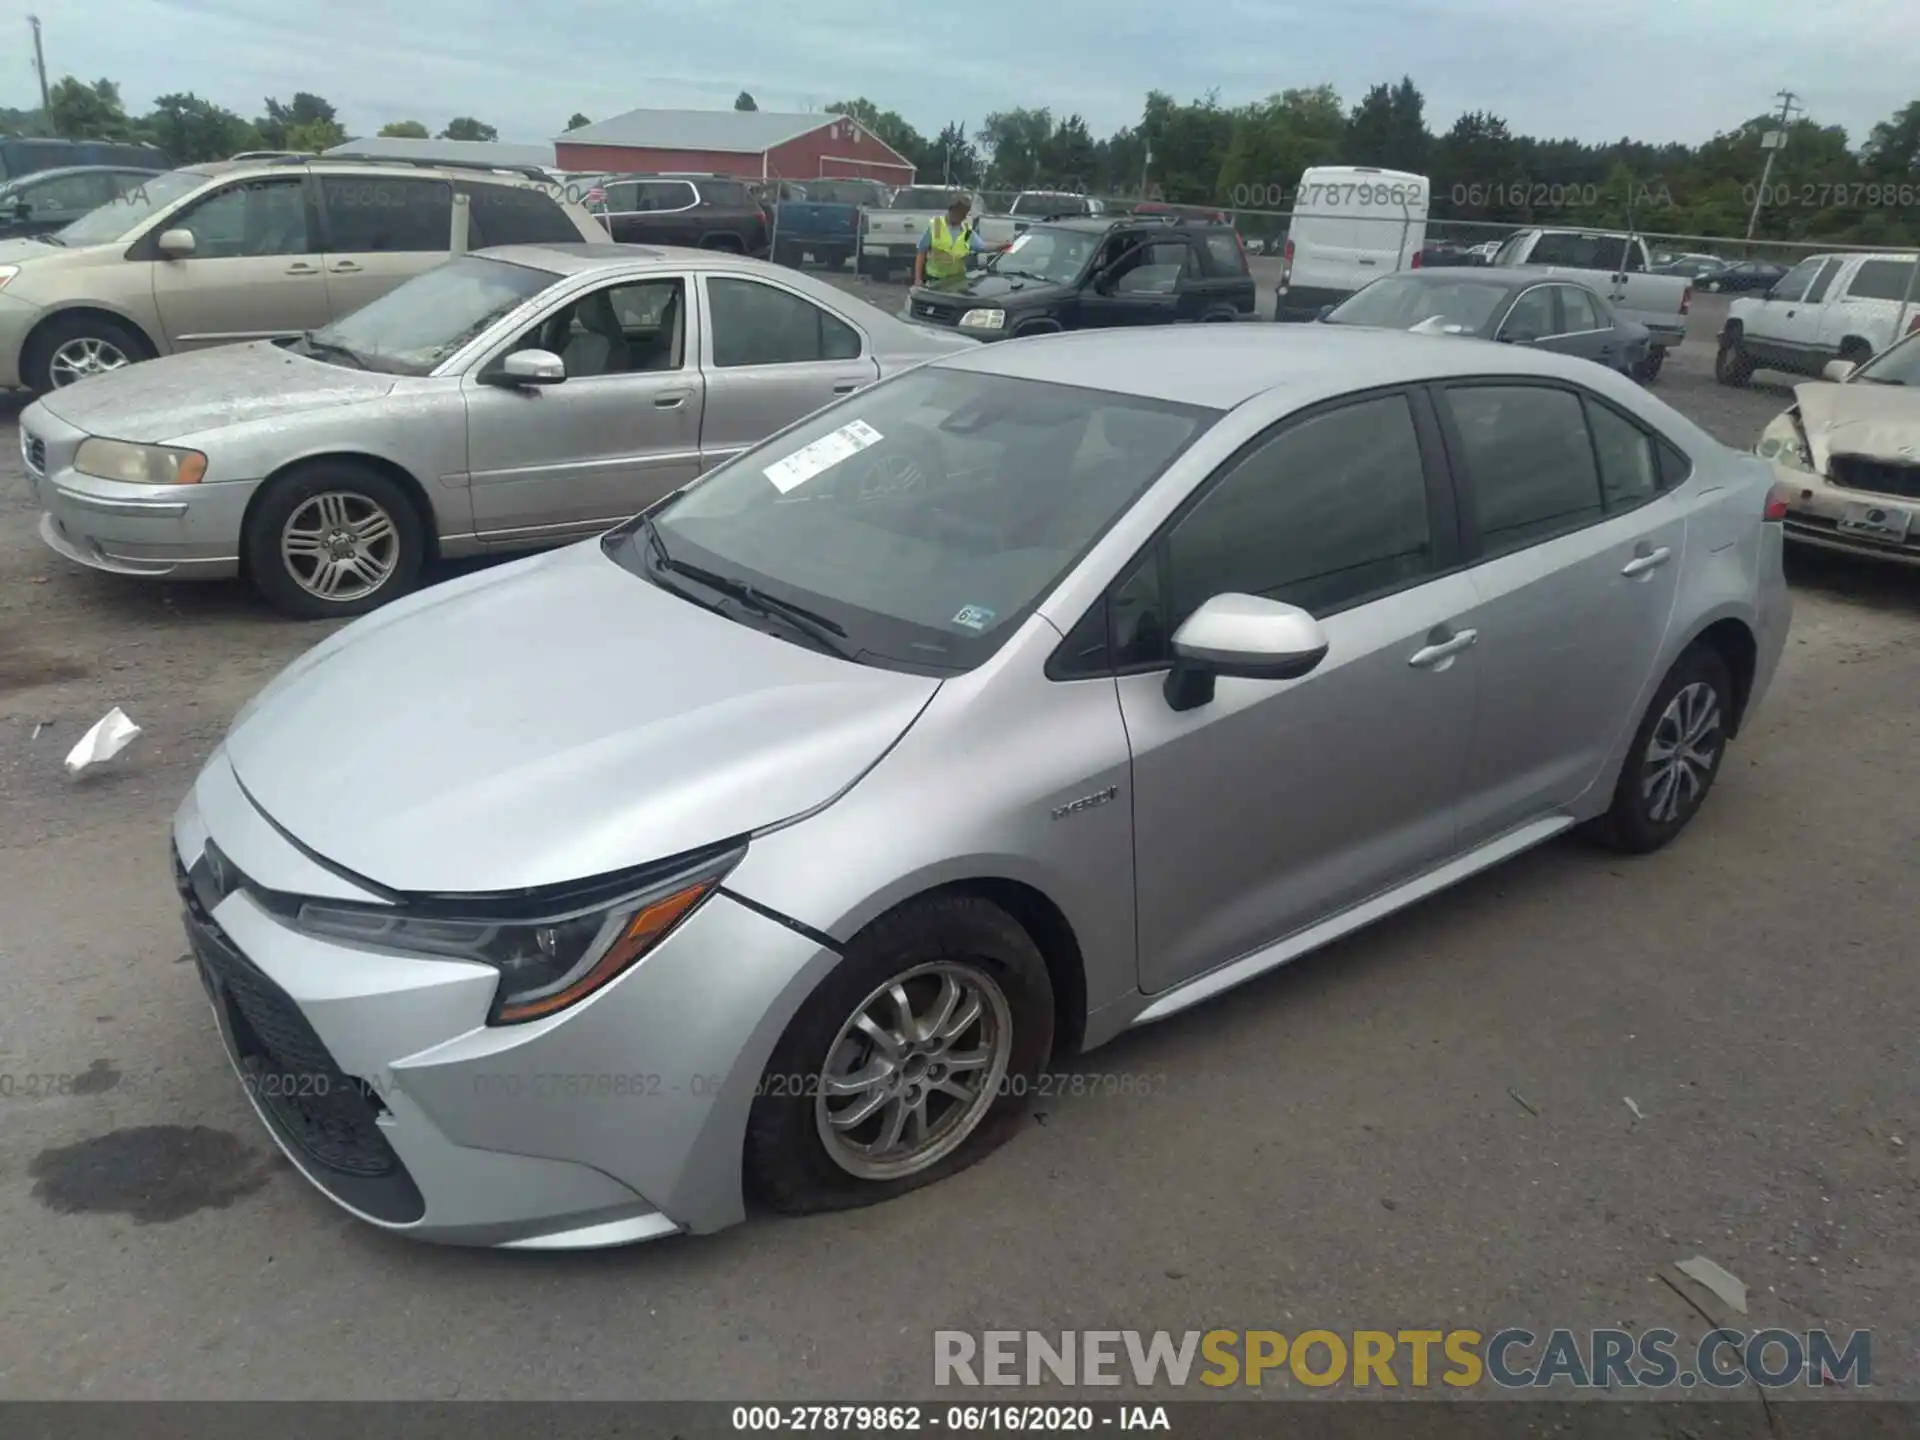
point(771, 844)
point(511, 399)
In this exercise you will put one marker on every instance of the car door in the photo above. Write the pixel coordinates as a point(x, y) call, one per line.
point(1575, 564)
point(381, 230)
point(1143, 286)
point(770, 356)
point(1580, 328)
point(1768, 329)
point(1865, 305)
point(1278, 802)
point(255, 270)
point(621, 431)
point(1796, 331)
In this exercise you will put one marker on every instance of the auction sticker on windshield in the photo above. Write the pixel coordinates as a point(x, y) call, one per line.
point(823, 454)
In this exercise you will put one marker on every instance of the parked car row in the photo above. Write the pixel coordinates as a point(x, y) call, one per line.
point(1828, 307)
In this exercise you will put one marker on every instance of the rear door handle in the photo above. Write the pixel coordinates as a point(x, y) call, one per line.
point(670, 402)
point(302, 268)
point(1652, 560)
point(846, 387)
point(344, 267)
point(1431, 655)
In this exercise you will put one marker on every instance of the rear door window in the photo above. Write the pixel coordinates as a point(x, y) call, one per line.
point(657, 195)
point(383, 214)
point(1529, 462)
point(1884, 280)
point(1578, 313)
point(1223, 254)
point(515, 215)
point(756, 324)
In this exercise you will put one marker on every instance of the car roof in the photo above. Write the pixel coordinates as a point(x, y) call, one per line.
point(1224, 366)
point(1513, 279)
point(59, 170)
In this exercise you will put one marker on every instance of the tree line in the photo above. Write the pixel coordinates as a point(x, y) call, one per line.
point(1248, 158)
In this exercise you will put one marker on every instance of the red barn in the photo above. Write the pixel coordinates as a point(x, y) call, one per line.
point(751, 144)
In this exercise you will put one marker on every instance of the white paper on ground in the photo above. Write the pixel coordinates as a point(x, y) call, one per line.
point(1728, 1287)
point(823, 454)
point(110, 734)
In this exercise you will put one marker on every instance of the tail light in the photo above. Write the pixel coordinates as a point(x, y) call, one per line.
point(1913, 327)
point(1416, 260)
point(1776, 510)
point(1686, 300)
point(1286, 264)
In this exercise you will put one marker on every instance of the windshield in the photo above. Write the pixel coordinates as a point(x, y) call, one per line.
point(922, 199)
point(927, 516)
point(1043, 254)
point(1046, 203)
point(132, 207)
point(1899, 365)
point(412, 328)
point(1399, 303)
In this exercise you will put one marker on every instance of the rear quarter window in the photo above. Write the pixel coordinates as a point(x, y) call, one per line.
point(1223, 255)
point(515, 215)
point(1883, 280)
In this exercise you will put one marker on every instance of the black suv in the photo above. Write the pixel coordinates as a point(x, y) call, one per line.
point(710, 212)
point(1079, 274)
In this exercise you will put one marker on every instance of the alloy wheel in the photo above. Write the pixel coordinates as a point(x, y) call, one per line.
point(82, 357)
point(914, 1070)
point(1681, 753)
point(340, 546)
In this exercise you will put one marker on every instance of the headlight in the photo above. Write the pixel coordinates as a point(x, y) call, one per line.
point(547, 962)
point(7, 272)
point(1780, 442)
point(139, 464)
point(983, 320)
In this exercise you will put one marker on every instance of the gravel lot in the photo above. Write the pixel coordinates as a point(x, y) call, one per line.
point(1342, 1145)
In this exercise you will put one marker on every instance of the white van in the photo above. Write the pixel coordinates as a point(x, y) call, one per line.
point(1351, 225)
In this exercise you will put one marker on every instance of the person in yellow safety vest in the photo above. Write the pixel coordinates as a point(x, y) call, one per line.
point(946, 243)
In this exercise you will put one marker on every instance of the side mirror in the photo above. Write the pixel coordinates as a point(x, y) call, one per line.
point(177, 244)
point(530, 367)
point(1242, 637)
point(1839, 371)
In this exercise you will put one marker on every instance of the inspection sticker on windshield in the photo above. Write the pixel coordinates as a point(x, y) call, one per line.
point(974, 617)
point(823, 454)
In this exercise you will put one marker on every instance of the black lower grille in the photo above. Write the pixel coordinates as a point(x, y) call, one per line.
point(35, 450)
point(1878, 477)
point(937, 314)
point(313, 1104)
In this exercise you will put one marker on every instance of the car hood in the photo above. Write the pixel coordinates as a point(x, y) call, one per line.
point(206, 389)
point(990, 289)
point(553, 720)
point(1881, 422)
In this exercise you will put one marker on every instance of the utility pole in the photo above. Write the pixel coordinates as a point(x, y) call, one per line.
point(40, 68)
point(1773, 142)
point(1146, 166)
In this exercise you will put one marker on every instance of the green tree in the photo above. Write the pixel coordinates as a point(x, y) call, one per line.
point(316, 137)
point(79, 111)
point(1389, 129)
point(1273, 142)
point(1188, 145)
point(951, 158)
point(192, 130)
point(1016, 142)
point(465, 127)
point(304, 109)
point(1070, 158)
point(578, 121)
point(744, 101)
point(405, 130)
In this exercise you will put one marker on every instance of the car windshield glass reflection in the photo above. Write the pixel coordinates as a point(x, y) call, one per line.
point(922, 520)
point(138, 203)
point(1057, 256)
point(1461, 306)
point(411, 329)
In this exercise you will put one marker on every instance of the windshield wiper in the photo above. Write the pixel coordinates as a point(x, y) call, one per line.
point(50, 238)
point(328, 347)
point(822, 631)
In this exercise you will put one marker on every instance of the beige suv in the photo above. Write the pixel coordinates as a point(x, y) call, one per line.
point(251, 250)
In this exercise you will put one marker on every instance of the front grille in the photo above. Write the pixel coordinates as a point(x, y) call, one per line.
point(316, 1106)
point(1878, 477)
point(938, 314)
point(33, 450)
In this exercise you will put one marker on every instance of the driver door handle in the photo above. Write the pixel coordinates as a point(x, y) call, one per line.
point(1652, 560)
point(846, 387)
point(1429, 656)
point(302, 268)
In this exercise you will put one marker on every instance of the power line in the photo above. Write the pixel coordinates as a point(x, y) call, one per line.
point(1774, 143)
point(40, 69)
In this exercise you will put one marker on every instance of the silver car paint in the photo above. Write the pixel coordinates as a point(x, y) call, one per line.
point(498, 469)
point(981, 789)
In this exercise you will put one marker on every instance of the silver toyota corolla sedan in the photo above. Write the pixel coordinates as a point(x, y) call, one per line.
point(773, 843)
point(507, 400)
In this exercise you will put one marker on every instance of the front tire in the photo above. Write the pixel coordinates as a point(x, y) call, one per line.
point(1731, 363)
point(910, 1062)
point(1648, 370)
point(332, 540)
point(1675, 756)
point(72, 348)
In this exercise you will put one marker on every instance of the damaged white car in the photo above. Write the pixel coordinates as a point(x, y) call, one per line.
point(1848, 454)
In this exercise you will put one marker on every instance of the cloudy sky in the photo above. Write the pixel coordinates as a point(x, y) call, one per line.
point(1652, 69)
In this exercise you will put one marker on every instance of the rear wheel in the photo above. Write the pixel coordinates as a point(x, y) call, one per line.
point(72, 348)
point(332, 540)
point(1731, 363)
point(1649, 369)
point(1674, 758)
point(913, 1059)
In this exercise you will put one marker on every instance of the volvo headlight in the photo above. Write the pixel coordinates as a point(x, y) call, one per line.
point(1782, 443)
point(548, 957)
point(139, 464)
point(983, 320)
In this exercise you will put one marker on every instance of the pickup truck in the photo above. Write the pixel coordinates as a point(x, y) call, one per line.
point(1617, 266)
point(824, 221)
point(893, 233)
point(1827, 308)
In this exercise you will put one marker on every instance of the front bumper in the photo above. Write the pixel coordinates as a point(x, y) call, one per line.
point(184, 532)
point(1816, 506)
point(620, 1119)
